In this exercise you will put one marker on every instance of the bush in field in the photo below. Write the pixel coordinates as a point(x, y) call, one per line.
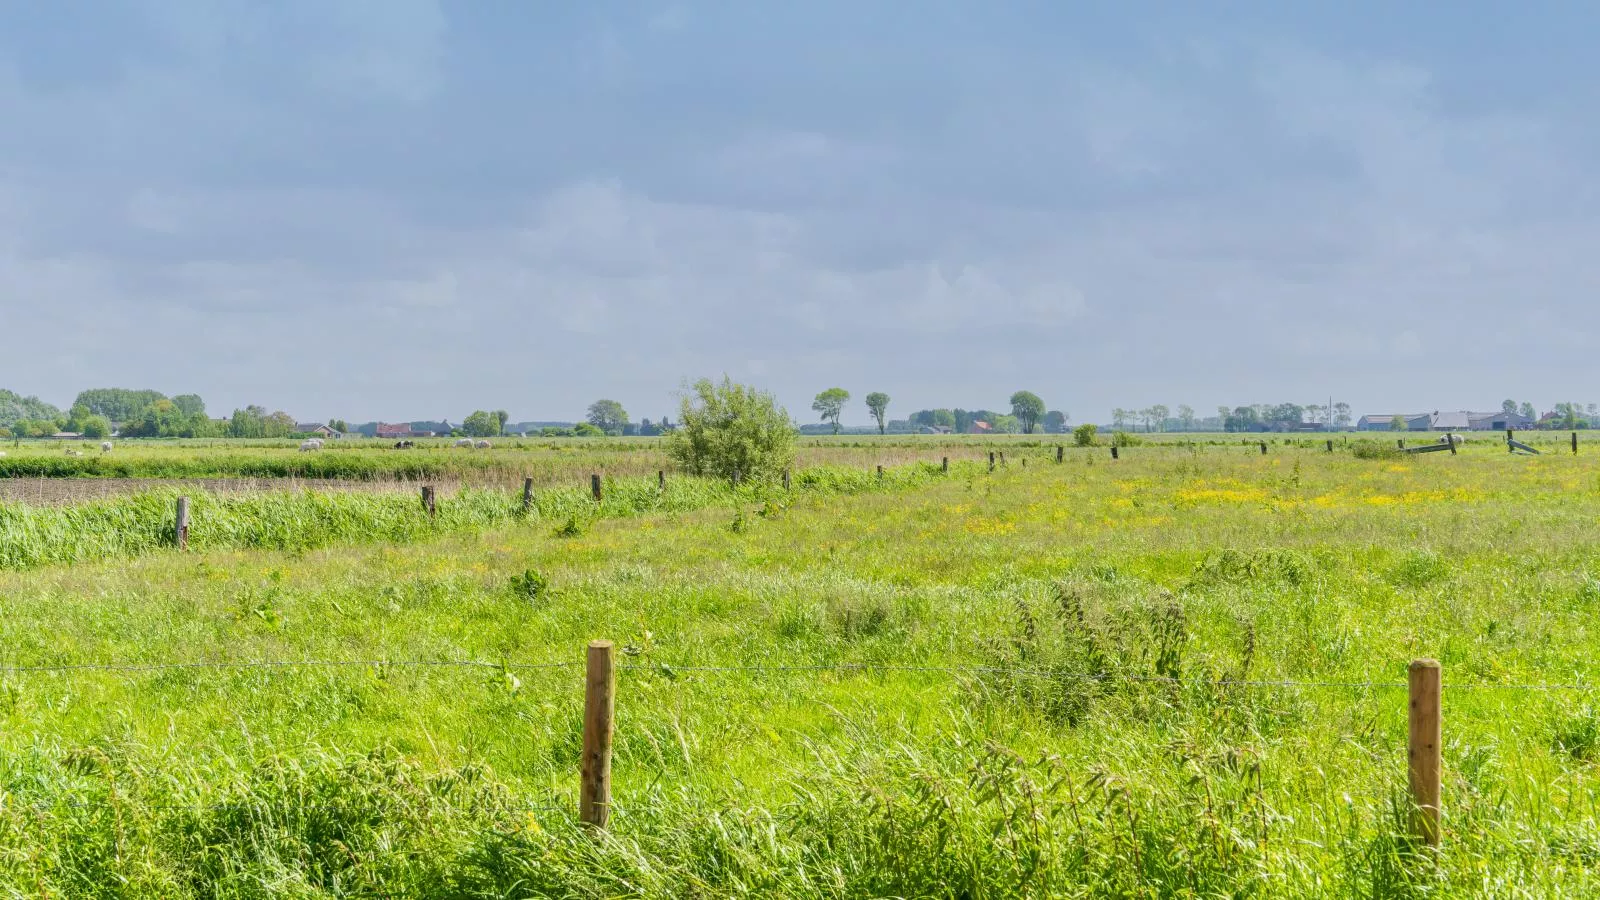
point(727, 428)
point(1083, 435)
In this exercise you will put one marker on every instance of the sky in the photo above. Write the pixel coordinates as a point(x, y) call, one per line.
point(405, 209)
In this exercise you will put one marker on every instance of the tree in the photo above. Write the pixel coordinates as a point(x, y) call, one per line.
point(1398, 423)
point(1055, 421)
point(878, 405)
point(501, 417)
point(117, 404)
point(190, 405)
point(608, 416)
point(1341, 415)
point(14, 408)
point(1006, 424)
point(1528, 412)
point(480, 424)
point(587, 429)
point(1159, 413)
point(1119, 418)
point(339, 425)
point(830, 404)
point(1509, 407)
point(1028, 409)
point(1186, 416)
point(725, 428)
point(279, 424)
point(94, 427)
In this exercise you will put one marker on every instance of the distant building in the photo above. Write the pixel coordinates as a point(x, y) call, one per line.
point(1497, 421)
point(316, 428)
point(402, 430)
point(1385, 421)
point(981, 427)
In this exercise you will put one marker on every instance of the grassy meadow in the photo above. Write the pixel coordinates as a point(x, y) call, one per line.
point(1179, 674)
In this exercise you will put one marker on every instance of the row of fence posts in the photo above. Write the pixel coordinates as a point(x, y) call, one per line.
point(596, 489)
point(1424, 742)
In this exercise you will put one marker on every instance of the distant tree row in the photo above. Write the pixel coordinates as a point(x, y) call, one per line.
point(1027, 415)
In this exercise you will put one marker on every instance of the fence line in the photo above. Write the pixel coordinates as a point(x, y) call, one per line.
point(670, 668)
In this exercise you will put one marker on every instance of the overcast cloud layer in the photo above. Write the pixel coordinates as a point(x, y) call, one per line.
point(416, 208)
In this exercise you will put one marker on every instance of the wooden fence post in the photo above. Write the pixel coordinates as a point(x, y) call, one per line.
point(1113, 451)
point(786, 479)
point(599, 704)
point(1061, 453)
point(1574, 443)
point(180, 529)
point(1024, 462)
point(527, 495)
point(661, 479)
point(1263, 448)
point(1002, 457)
point(1330, 445)
point(880, 471)
point(944, 465)
point(1424, 752)
point(736, 477)
point(428, 503)
point(1452, 439)
point(594, 486)
point(1400, 443)
point(991, 460)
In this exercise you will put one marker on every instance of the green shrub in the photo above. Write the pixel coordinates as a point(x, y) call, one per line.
point(732, 428)
point(1084, 435)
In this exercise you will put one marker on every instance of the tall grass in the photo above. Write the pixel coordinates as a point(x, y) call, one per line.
point(302, 520)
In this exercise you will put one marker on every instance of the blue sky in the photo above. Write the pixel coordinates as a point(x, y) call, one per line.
point(416, 208)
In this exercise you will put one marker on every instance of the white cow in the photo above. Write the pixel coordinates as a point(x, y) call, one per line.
point(481, 445)
point(465, 442)
point(105, 446)
point(309, 446)
point(74, 452)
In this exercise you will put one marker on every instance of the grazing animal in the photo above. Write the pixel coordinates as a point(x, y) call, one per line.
point(74, 452)
point(309, 446)
point(404, 445)
point(464, 442)
point(481, 445)
point(1452, 439)
point(105, 446)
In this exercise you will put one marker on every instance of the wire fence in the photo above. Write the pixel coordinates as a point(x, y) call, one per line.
point(670, 668)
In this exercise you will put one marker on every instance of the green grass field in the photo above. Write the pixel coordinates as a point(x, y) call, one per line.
point(1180, 674)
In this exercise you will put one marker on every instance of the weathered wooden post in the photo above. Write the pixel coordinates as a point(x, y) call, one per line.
point(1061, 453)
point(786, 479)
point(1113, 451)
point(1452, 439)
point(1330, 445)
point(991, 460)
point(594, 486)
point(1400, 443)
point(180, 530)
point(1002, 457)
point(944, 465)
point(428, 503)
point(599, 707)
point(661, 479)
point(880, 473)
point(1263, 448)
point(1424, 750)
point(1574, 443)
point(527, 495)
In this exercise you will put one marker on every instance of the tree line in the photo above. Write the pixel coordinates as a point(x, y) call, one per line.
point(1028, 414)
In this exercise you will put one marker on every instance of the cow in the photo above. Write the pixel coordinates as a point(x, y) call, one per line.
point(309, 446)
point(74, 452)
point(404, 445)
point(481, 445)
point(465, 442)
point(105, 446)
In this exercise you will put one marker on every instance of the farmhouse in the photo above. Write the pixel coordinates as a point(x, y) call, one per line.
point(402, 430)
point(316, 428)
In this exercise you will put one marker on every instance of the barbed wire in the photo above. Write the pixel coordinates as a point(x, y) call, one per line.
point(669, 669)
